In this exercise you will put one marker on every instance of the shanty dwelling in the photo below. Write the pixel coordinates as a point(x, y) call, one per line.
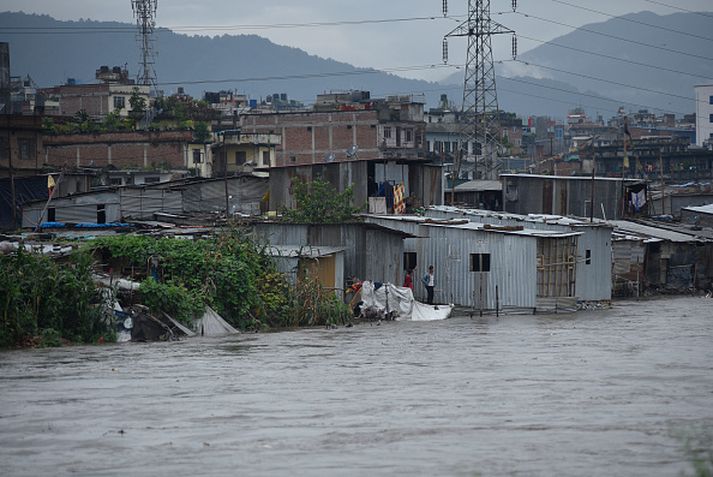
point(242, 194)
point(572, 195)
point(298, 262)
point(100, 207)
point(477, 193)
point(370, 252)
point(701, 216)
point(649, 258)
point(491, 267)
point(594, 246)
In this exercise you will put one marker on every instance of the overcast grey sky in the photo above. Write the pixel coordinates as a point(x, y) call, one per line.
point(379, 46)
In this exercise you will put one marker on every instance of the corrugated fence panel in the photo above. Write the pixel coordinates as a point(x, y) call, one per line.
point(513, 267)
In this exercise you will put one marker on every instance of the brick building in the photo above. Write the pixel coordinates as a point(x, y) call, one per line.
point(136, 149)
point(363, 144)
point(20, 144)
point(112, 94)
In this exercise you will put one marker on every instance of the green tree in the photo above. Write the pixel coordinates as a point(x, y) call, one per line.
point(319, 202)
point(201, 132)
point(138, 104)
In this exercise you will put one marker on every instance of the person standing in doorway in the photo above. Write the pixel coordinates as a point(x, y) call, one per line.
point(429, 282)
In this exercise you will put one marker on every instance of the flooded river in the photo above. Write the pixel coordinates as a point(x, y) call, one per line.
point(606, 393)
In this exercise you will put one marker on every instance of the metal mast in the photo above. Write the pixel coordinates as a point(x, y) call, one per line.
point(480, 99)
point(145, 14)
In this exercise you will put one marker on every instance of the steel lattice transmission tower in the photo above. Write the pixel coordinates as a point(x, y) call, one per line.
point(145, 14)
point(480, 99)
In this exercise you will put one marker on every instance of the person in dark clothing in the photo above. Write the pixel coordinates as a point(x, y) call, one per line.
point(430, 283)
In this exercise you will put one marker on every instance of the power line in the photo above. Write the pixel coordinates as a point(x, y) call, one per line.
point(631, 20)
point(581, 75)
point(602, 55)
point(308, 75)
point(190, 28)
point(679, 8)
point(615, 37)
point(600, 98)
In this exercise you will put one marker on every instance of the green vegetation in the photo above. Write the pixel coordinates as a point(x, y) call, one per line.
point(229, 272)
point(319, 202)
point(43, 302)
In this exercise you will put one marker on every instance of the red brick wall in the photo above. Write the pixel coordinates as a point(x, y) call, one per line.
point(164, 149)
point(297, 137)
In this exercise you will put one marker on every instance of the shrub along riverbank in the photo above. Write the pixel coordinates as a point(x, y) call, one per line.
point(229, 272)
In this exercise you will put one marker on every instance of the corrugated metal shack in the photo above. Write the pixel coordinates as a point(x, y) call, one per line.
point(594, 246)
point(701, 215)
point(489, 267)
point(654, 259)
point(98, 207)
point(186, 196)
point(566, 195)
point(324, 263)
point(370, 252)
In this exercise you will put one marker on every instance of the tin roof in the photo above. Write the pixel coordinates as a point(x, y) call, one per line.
point(624, 227)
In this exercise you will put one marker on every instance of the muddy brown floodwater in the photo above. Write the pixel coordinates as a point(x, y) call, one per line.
point(607, 393)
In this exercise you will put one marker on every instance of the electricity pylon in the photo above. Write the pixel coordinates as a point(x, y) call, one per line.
point(480, 100)
point(145, 14)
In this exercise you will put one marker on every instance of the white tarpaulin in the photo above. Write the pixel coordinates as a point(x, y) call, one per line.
point(401, 301)
point(212, 324)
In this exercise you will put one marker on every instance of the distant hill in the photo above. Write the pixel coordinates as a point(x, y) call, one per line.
point(184, 58)
point(698, 70)
point(51, 58)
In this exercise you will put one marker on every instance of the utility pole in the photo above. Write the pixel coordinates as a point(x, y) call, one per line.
point(480, 100)
point(11, 172)
point(145, 14)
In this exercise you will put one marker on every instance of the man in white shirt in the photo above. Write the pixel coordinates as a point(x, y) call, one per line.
point(429, 282)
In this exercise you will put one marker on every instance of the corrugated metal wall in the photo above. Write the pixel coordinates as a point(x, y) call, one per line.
point(142, 204)
point(369, 254)
point(594, 281)
point(512, 268)
point(244, 195)
point(76, 209)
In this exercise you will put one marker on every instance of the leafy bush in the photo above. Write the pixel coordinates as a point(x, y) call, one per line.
point(38, 294)
point(229, 272)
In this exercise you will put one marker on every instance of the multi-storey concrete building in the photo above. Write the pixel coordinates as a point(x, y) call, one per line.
point(364, 144)
point(704, 114)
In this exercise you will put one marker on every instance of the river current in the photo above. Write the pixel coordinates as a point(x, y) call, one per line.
point(615, 392)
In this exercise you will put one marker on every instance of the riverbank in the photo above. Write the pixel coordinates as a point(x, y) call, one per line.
point(47, 301)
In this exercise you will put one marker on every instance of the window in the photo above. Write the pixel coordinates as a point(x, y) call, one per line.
point(409, 260)
point(152, 180)
point(479, 262)
point(116, 181)
point(266, 158)
point(588, 257)
point(409, 135)
point(51, 215)
point(710, 100)
point(387, 133)
point(27, 149)
point(197, 156)
point(711, 118)
point(240, 158)
point(119, 102)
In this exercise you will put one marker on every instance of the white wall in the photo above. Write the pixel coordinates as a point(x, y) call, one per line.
point(704, 109)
